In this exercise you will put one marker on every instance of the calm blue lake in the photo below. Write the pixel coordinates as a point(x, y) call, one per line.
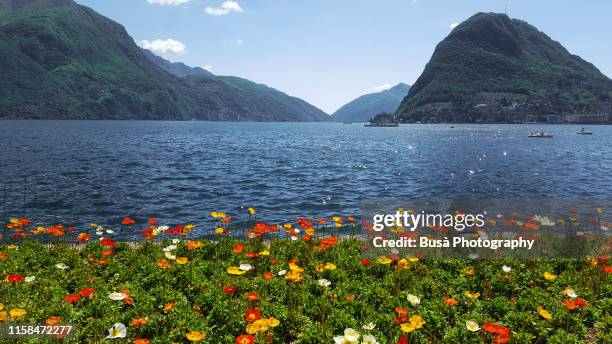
point(99, 171)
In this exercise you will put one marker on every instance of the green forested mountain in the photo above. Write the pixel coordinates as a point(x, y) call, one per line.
point(62, 60)
point(366, 106)
point(494, 64)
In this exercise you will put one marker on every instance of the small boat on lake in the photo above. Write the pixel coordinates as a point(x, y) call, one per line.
point(374, 124)
point(583, 131)
point(540, 135)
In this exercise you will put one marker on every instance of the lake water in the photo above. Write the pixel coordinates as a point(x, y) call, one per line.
point(99, 171)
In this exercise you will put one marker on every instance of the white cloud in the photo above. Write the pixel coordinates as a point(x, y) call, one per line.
point(168, 2)
point(164, 47)
point(238, 41)
point(226, 8)
point(453, 25)
point(207, 67)
point(382, 87)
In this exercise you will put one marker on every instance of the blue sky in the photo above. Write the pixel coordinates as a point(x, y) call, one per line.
point(329, 52)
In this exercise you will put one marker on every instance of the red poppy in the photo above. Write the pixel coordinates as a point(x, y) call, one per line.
point(401, 311)
point(252, 255)
point(580, 302)
point(83, 237)
point(102, 262)
point(496, 329)
point(127, 221)
point(107, 252)
point(3, 256)
point(608, 269)
point(152, 221)
point(450, 301)
point(107, 242)
point(14, 279)
point(252, 315)
point(230, 289)
point(252, 296)
point(268, 275)
point(365, 262)
point(148, 234)
point(141, 341)
point(238, 248)
point(401, 319)
point(86, 292)
point(402, 340)
point(245, 339)
point(72, 298)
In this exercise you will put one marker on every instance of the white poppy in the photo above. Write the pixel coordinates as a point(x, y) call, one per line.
point(570, 293)
point(324, 283)
point(245, 267)
point(176, 241)
point(506, 268)
point(117, 331)
point(110, 231)
point(169, 255)
point(413, 299)
point(369, 326)
point(61, 266)
point(350, 337)
point(117, 296)
point(30, 279)
point(169, 248)
point(472, 326)
point(282, 272)
point(369, 339)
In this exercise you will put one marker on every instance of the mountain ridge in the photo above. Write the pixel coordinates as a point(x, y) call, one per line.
point(62, 60)
point(491, 55)
point(362, 108)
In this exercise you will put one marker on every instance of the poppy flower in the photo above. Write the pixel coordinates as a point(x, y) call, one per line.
point(252, 315)
point(544, 313)
point(14, 279)
point(402, 340)
point(141, 341)
point(268, 275)
point(230, 289)
point(252, 296)
point(86, 292)
point(365, 262)
point(168, 307)
point(450, 301)
point(82, 237)
point(195, 336)
point(72, 298)
point(127, 221)
point(245, 339)
point(107, 252)
point(53, 320)
point(107, 242)
point(138, 322)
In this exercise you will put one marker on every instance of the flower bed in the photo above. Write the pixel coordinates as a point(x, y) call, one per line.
point(318, 290)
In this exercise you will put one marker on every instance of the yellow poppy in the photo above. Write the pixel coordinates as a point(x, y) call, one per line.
point(234, 270)
point(195, 336)
point(330, 266)
point(415, 323)
point(3, 316)
point(182, 260)
point(471, 295)
point(549, 276)
point(295, 267)
point(17, 313)
point(544, 313)
point(384, 260)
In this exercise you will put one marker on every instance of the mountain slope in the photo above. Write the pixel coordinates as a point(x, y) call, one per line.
point(260, 101)
point(61, 60)
point(366, 106)
point(504, 63)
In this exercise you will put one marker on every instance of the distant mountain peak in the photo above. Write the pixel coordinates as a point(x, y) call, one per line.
point(508, 65)
point(367, 106)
